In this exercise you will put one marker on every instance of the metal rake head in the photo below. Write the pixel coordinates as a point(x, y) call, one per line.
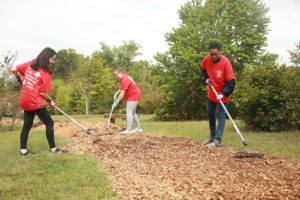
point(247, 152)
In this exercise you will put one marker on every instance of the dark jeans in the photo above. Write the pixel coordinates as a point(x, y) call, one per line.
point(28, 121)
point(211, 111)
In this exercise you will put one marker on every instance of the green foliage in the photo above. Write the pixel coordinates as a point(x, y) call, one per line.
point(295, 55)
point(121, 56)
point(9, 89)
point(268, 98)
point(65, 64)
point(240, 26)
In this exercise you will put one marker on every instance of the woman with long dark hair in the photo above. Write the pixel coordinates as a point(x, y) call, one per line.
point(35, 77)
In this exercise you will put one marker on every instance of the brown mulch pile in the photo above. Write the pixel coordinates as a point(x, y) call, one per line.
point(144, 167)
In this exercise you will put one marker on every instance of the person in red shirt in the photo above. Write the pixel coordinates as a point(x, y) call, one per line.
point(132, 94)
point(217, 69)
point(35, 77)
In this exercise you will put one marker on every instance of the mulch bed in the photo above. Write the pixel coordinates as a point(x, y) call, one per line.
point(145, 167)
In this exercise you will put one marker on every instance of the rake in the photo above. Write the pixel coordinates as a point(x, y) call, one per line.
point(107, 125)
point(73, 120)
point(245, 151)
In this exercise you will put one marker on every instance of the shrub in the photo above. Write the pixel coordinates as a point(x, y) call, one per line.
point(268, 98)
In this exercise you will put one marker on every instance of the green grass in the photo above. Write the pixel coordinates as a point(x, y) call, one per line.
point(283, 144)
point(71, 176)
point(46, 175)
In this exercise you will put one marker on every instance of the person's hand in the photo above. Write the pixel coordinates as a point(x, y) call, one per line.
point(207, 80)
point(52, 104)
point(115, 96)
point(19, 79)
point(114, 105)
point(220, 97)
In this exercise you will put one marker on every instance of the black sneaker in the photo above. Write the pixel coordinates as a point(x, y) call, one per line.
point(27, 152)
point(57, 150)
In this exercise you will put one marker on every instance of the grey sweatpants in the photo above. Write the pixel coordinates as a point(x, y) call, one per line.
point(131, 114)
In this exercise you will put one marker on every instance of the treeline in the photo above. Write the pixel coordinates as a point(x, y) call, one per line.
point(85, 84)
point(267, 95)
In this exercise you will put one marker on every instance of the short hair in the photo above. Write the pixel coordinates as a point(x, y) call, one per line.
point(214, 45)
point(119, 70)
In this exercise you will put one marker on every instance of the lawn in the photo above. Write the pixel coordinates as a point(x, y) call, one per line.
point(48, 176)
point(72, 176)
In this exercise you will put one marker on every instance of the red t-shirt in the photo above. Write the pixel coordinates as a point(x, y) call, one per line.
point(132, 92)
point(34, 82)
point(218, 74)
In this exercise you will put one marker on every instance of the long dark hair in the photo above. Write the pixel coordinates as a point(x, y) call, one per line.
point(42, 60)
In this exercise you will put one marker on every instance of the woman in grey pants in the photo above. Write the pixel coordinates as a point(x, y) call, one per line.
point(132, 94)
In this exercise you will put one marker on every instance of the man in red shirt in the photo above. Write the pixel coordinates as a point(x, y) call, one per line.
point(217, 69)
point(35, 77)
point(132, 94)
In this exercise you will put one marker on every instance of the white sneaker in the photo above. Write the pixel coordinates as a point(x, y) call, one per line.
point(137, 130)
point(125, 132)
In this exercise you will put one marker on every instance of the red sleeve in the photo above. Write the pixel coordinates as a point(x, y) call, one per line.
point(46, 82)
point(124, 83)
point(203, 63)
point(23, 67)
point(228, 72)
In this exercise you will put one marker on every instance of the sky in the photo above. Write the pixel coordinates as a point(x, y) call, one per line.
point(26, 27)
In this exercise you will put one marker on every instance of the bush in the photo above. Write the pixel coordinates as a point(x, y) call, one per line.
point(268, 98)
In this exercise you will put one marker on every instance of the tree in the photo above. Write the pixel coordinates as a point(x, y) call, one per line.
point(65, 64)
point(81, 78)
point(240, 26)
point(121, 56)
point(295, 55)
point(10, 89)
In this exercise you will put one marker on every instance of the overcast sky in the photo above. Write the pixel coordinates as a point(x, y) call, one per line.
point(29, 26)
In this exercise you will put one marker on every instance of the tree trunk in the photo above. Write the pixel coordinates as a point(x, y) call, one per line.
point(12, 125)
point(86, 101)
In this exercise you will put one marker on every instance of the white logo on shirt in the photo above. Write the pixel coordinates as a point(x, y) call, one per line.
point(37, 74)
point(219, 74)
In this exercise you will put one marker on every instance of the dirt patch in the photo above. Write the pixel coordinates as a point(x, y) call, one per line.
point(144, 167)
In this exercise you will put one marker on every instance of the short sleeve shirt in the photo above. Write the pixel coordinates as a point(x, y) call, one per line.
point(218, 74)
point(34, 82)
point(132, 92)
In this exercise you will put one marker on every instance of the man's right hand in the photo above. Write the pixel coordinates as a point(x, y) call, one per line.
point(207, 81)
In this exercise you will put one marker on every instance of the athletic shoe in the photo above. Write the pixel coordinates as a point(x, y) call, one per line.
point(137, 130)
point(57, 150)
point(208, 141)
point(27, 152)
point(214, 144)
point(125, 132)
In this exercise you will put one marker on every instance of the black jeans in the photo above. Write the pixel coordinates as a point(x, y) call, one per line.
point(28, 121)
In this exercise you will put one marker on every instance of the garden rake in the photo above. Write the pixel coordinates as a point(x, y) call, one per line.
point(242, 152)
point(108, 122)
point(111, 112)
point(86, 130)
